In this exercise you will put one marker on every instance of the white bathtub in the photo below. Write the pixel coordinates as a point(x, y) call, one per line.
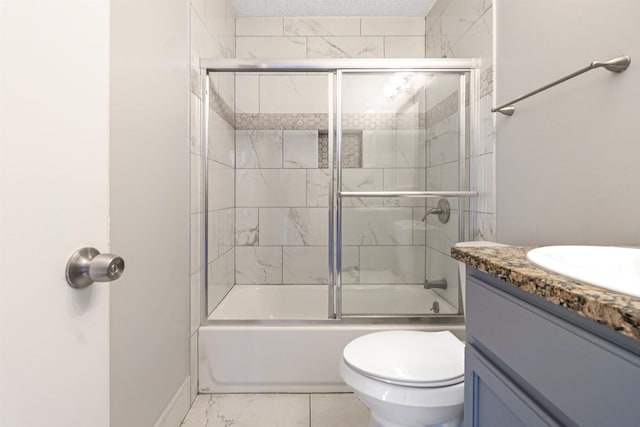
point(297, 357)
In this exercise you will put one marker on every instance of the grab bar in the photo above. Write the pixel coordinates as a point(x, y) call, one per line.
point(615, 65)
point(407, 193)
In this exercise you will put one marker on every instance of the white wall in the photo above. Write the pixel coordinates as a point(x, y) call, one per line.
point(567, 160)
point(54, 139)
point(149, 190)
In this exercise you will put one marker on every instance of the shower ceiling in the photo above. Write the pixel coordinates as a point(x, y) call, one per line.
point(332, 7)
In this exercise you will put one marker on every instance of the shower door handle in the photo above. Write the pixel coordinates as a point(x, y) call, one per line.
point(87, 265)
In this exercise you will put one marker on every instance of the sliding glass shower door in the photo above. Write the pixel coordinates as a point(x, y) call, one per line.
point(340, 181)
point(401, 179)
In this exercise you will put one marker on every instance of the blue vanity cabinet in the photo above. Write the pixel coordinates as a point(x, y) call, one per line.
point(532, 363)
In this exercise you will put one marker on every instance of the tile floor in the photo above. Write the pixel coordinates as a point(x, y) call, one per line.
point(277, 410)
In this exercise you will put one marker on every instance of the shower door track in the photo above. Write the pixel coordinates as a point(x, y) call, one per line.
point(335, 64)
point(373, 319)
point(335, 67)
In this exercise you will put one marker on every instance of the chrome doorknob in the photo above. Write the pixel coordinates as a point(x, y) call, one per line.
point(87, 265)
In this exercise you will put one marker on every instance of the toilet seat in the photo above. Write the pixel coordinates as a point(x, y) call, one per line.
point(408, 358)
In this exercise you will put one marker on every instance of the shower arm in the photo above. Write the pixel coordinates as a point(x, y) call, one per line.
point(615, 65)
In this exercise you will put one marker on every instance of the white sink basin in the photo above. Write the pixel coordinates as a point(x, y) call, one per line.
point(608, 267)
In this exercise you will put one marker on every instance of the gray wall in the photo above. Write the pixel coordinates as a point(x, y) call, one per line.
point(149, 102)
point(567, 160)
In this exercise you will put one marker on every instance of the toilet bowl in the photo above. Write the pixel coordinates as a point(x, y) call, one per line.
point(407, 378)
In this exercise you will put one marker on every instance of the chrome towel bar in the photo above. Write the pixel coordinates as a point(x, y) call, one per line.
point(615, 65)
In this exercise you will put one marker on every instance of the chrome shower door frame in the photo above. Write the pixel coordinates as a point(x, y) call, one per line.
point(464, 196)
point(335, 69)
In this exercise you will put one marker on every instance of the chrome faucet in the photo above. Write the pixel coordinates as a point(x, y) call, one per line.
point(435, 211)
point(435, 284)
point(443, 210)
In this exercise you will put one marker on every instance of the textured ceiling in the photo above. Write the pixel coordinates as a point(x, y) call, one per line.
point(332, 7)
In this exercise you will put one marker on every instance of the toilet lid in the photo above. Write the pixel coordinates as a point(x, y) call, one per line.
point(410, 358)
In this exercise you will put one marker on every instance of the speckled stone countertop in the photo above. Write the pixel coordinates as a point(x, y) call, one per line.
point(509, 263)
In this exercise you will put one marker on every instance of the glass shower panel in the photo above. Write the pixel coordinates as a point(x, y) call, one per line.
point(268, 192)
point(219, 171)
point(400, 132)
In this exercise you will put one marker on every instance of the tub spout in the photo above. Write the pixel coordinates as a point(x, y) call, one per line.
point(435, 284)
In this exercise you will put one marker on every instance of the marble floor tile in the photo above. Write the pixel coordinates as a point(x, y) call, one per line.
point(197, 415)
point(338, 410)
point(249, 410)
point(277, 410)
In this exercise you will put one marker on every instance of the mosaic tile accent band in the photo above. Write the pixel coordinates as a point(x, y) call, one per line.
point(444, 109)
point(288, 121)
point(314, 121)
point(449, 105)
point(381, 121)
point(220, 106)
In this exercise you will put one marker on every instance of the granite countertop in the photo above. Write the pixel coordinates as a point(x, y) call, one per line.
point(509, 263)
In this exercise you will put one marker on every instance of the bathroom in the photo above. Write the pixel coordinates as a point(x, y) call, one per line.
point(111, 341)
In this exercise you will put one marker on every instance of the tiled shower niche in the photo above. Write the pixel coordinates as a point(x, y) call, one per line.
point(351, 149)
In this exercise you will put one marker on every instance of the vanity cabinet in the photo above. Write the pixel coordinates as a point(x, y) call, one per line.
point(530, 362)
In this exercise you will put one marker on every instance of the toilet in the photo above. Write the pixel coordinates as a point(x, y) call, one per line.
point(407, 378)
point(410, 378)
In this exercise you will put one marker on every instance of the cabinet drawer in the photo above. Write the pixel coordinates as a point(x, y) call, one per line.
point(589, 380)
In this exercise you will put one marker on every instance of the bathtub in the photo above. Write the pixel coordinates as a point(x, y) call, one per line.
point(274, 353)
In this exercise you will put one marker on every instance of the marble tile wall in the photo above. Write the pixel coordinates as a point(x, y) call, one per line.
point(331, 37)
point(260, 106)
point(443, 169)
point(463, 28)
point(212, 27)
point(264, 99)
point(282, 180)
point(282, 216)
point(288, 102)
point(278, 236)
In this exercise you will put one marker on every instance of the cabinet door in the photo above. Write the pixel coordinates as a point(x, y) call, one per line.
point(492, 400)
point(557, 357)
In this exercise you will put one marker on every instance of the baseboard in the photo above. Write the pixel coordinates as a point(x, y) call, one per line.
point(176, 410)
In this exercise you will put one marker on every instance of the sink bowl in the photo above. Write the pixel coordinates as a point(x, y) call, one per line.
point(608, 267)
